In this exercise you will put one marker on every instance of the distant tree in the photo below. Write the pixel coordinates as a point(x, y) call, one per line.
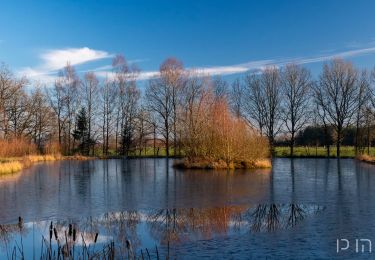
point(296, 86)
point(42, 127)
point(236, 98)
point(162, 95)
point(89, 90)
point(262, 102)
point(9, 87)
point(108, 97)
point(363, 102)
point(172, 76)
point(254, 102)
point(337, 94)
point(220, 87)
point(128, 96)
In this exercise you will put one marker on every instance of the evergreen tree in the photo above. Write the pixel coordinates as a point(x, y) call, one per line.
point(81, 133)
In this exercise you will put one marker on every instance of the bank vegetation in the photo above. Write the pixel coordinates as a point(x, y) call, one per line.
point(185, 112)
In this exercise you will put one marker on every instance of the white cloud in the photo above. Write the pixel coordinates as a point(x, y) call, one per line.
point(143, 75)
point(57, 59)
point(37, 75)
point(54, 60)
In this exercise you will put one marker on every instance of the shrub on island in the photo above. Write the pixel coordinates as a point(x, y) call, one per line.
point(215, 138)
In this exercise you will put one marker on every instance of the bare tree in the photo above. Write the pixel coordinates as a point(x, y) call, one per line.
point(296, 82)
point(220, 87)
point(18, 114)
point(57, 102)
point(90, 87)
point(271, 85)
point(172, 75)
point(9, 86)
point(108, 95)
point(254, 102)
point(196, 93)
point(262, 102)
point(362, 108)
point(42, 127)
point(236, 98)
point(337, 95)
point(128, 96)
point(162, 97)
point(158, 100)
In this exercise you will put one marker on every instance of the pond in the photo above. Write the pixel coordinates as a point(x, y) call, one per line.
point(299, 209)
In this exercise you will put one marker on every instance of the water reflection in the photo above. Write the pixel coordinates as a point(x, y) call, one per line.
point(196, 211)
point(71, 189)
point(142, 229)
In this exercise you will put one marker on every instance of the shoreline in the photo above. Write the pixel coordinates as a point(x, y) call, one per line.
point(12, 165)
point(17, 164)
point(366, 159)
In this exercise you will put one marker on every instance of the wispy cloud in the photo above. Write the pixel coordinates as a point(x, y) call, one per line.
point(143, 75)
point(54, 60)
point(255, 66)
point(57, 59)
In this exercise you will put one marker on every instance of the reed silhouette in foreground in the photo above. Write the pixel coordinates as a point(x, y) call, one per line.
point(70, 243)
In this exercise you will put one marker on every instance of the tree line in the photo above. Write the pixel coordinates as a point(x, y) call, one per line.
point(121, 115)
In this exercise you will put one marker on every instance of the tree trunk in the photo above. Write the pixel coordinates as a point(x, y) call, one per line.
point(338, 143)
point(292, 145)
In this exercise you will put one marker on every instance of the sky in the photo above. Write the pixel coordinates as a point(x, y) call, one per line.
point(228, 38)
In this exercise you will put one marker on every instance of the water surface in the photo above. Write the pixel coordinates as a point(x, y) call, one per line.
point(296, 210)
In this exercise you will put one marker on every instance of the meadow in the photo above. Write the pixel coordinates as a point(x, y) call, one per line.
point(318, 151)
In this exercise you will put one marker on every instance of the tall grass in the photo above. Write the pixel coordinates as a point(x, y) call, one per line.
point(10, 167)
point(19, 153)
point(16, 164)
point(16, 147)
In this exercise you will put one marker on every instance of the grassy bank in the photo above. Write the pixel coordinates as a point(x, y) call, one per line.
point(366, 158)
point(16, 164)
point(220, 164)
point(311, 151)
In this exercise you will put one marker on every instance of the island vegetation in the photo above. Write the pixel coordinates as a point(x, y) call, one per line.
point(182, 112)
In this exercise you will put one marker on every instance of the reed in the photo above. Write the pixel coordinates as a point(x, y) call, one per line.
point(264, 163)
point(16, 147)
point(64, 245)
point(10, 167)
point(16, 164)
point(366, 158)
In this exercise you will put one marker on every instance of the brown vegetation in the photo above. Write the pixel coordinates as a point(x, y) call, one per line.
point(366, 158)
point(212, 137)
point(185, 111)
point(16, 147)
point(16, 164)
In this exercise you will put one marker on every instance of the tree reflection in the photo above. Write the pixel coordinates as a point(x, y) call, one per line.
point(129, 229)
point(270, 217)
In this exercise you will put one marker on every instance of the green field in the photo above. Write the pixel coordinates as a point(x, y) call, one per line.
point(280, 151)
point(311, 151)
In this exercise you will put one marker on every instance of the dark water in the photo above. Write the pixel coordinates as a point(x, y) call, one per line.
point(296, 210)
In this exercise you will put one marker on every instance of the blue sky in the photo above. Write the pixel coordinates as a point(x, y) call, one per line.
point(220, 37)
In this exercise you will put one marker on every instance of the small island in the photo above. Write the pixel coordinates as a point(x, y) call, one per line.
point(215, 138)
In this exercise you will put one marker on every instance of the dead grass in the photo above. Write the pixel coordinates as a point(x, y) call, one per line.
point(264, 163)
point(79, 157)
point(16, 164)
point(10, 167)
point(17, 147)
point(366, 158)
point(199, 163)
